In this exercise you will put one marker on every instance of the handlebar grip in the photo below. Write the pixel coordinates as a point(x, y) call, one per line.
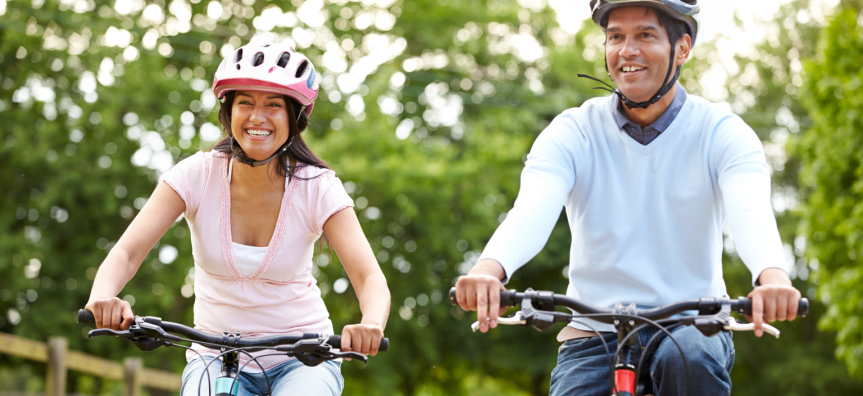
point(507, 298)
point(802, 306)
point(86, 317)
point(336, 341)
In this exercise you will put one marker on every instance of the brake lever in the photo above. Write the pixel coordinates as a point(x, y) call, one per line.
point(734, 325)
point(515, 319)
point(109, 332)
point(349, 355)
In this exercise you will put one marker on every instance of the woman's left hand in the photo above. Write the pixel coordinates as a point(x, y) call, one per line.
point(362, 338)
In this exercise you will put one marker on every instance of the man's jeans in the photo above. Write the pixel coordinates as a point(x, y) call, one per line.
point(583, 369)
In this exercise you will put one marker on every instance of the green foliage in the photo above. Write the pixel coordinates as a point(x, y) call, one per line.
point(833, 176)
point(90, 122)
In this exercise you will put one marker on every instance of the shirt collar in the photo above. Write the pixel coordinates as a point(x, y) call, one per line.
point(660, 124)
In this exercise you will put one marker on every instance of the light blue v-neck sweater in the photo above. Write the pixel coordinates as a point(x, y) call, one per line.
point(646, 221)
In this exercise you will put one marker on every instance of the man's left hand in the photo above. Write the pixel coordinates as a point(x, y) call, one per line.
point(774, 300)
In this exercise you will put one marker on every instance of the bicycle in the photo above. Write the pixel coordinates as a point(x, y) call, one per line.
point(149, 333)
point(714, 315)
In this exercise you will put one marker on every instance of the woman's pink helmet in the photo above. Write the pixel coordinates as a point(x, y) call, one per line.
point(274, 68)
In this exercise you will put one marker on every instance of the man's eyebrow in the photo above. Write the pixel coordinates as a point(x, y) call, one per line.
point(639, 29)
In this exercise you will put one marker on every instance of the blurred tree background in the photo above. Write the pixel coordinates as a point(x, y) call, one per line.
point(427, 109)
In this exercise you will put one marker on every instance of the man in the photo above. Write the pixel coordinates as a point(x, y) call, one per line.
point(648, 177)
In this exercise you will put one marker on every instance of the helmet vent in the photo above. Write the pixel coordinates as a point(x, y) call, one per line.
point(258, 59)
point(238, 56)
point(302, 68)
point(283, 59)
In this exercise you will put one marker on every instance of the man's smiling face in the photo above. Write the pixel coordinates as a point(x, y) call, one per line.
point(637, 52)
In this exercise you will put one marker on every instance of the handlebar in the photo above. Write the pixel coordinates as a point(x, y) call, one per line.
point(86, 317)
point(544, 300)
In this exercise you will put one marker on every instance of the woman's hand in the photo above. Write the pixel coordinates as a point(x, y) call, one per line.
point(111, 313)
point(362, 338)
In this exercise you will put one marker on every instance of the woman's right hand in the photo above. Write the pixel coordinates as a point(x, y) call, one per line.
point(111, 313)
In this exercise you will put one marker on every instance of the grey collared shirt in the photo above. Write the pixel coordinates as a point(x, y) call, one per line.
point(648, 134)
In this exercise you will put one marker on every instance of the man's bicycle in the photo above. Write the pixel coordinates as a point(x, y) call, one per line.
point(714, 315)
point(149, 333)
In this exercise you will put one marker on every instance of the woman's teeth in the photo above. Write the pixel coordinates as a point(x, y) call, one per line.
point(258, 132)
point(627, 69)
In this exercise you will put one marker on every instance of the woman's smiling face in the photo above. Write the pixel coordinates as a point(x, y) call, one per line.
point(259, 122)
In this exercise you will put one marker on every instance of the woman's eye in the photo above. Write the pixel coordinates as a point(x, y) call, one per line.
point(275, 105)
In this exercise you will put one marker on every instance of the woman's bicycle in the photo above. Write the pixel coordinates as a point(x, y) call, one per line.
point(714, 315)
point(149, 333)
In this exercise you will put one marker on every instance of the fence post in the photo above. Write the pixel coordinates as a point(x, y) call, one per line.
point(56, 380)
point(133, 370)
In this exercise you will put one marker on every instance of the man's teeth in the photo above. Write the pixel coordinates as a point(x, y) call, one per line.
point(258, 133)
point(632, 68)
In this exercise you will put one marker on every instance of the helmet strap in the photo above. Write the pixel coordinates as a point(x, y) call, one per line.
point(243, 159)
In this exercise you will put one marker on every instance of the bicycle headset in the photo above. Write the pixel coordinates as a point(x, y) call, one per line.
point(276, 68)
point(685, 11)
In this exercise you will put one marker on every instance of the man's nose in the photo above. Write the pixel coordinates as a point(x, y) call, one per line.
point(629, 49)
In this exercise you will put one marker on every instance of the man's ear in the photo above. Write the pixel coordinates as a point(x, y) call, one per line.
point(684, 48)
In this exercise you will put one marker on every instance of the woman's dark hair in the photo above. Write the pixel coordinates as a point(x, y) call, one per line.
point(299, 151)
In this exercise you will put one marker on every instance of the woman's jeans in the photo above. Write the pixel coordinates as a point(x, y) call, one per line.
point(289, 378)
point(583, 366)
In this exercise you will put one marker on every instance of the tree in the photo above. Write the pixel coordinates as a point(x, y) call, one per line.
point(832, 173)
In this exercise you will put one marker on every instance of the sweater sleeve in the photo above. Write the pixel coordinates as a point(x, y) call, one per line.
point(744, 179)
point(547, 179)
point(188, 178)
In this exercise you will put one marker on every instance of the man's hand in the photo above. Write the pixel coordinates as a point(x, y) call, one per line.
point(479, 291)
point(775, 299)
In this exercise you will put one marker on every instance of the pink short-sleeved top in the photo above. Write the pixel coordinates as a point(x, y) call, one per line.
point(280, 296)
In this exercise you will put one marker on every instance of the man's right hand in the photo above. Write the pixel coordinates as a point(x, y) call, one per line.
point(479, 291)
point(111, 313)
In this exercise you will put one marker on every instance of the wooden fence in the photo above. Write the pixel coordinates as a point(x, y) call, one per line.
point(60, 359)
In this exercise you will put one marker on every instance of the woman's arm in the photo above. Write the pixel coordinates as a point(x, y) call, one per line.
point(122, 262)
point(346, 236)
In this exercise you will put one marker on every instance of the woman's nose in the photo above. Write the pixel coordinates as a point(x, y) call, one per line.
point(257, 115)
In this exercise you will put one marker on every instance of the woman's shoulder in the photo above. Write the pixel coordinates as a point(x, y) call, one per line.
point(202, 161)
point(307, 172)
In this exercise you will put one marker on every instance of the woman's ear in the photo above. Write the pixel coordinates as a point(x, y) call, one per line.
point(684, 47)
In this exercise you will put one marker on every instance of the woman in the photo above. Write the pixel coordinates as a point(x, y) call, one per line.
point(255, 206)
